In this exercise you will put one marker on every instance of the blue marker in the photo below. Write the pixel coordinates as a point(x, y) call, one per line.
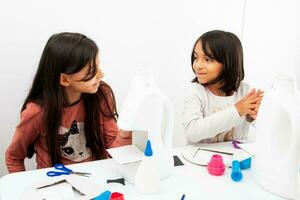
point(183, 196)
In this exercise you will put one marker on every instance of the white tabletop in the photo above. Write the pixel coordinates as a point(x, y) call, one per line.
point(191, 180)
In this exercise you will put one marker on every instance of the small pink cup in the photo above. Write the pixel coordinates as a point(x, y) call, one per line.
point(216, 166)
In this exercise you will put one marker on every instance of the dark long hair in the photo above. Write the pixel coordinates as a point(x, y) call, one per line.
point(226, 48)
point(69, 53)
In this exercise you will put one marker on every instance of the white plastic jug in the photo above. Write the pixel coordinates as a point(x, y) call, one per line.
point(147, 109)
point(275, 165)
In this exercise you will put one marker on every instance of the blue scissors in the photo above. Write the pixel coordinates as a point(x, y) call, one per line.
point(65, 171)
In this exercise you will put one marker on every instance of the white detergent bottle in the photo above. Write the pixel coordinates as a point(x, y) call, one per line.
point(275, 166)
point(147, 179)
point(298, 188)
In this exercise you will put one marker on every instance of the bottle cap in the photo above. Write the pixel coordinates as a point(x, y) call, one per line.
point(148, 150)
point(236, 174)
point(245, 164)
point(117, 196)
point(216, 166)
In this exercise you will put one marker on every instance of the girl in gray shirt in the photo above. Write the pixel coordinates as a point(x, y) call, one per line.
point(218, 106)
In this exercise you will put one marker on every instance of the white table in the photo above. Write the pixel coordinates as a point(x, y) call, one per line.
point(191, 180)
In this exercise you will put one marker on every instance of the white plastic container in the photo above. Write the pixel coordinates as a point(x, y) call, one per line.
point(147, 179)
point(275, 166)
point(147, 110)
point(298, 188)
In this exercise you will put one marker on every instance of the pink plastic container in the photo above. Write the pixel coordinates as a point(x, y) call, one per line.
point(216, 166)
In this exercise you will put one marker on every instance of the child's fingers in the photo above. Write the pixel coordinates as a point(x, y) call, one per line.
point(260, 92)
point(252, 112)
point(252, 106)
point(257, 94)
point(250, 93)
point(257, 97)
point(254, 95)
point(259, 101)
point(253, 100)
point(255, 105)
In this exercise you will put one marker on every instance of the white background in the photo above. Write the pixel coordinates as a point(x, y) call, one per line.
point(131, 34)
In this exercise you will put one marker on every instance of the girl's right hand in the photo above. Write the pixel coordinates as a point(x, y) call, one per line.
point(250, 103)
point(125, 134)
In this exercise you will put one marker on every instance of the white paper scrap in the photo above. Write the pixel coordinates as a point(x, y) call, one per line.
point(126, 154)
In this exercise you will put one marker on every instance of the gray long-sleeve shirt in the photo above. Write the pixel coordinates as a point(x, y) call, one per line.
point(209, 118)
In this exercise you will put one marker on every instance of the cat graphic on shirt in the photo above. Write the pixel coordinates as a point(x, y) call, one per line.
point(72, 142)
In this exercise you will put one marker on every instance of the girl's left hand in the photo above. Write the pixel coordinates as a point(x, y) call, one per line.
point(125, 134)
point(251, 118)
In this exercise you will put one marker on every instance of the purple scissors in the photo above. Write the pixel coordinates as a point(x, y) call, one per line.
point(235, 144)
point(65, 171)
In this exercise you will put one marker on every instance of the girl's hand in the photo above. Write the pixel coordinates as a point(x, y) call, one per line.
point(249, 105)
point(125, 134)
point(251, 118)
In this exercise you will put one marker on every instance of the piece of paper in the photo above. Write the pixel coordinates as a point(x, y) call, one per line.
point(220, 146)
point(84, 186)
point(193, 154)
point(126, 154)
point(55, 188)
point(249, 147)
point(66, 187)
point(59, 191)
point(201, 157)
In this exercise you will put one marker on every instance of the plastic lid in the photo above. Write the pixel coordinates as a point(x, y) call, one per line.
point(148, 150)
point(117, 196)
point(245, 164)
point(236, 174)
point(216, 166)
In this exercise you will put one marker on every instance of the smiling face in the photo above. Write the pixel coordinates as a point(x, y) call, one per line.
point(206, 69)
point(78, 84)
point(84, 81)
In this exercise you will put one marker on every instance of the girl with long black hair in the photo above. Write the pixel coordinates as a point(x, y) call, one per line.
point(69, 115)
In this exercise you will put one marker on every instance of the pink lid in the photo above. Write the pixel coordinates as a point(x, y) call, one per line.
point(117, 196)
point(216, 166)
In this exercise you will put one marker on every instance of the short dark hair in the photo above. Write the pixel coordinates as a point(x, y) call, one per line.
point(226, 48)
